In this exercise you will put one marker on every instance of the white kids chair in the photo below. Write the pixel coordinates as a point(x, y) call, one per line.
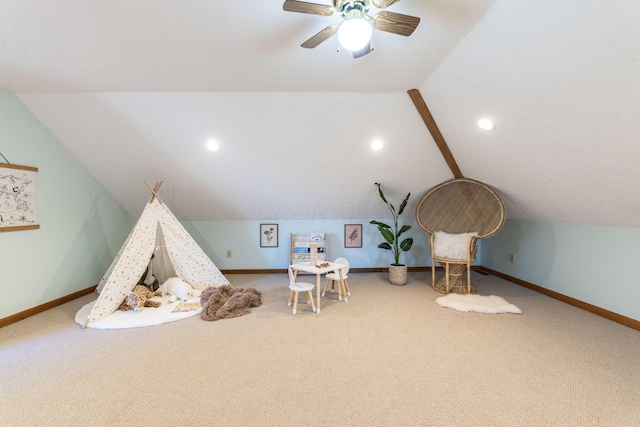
point(334, 277)
point(296, 288)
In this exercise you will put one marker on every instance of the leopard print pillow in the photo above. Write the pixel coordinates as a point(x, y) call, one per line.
point(140, 297)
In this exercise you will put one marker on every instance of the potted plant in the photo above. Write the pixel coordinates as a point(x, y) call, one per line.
point(391, 235)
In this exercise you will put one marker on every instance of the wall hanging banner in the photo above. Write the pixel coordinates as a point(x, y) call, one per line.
point(18, 197)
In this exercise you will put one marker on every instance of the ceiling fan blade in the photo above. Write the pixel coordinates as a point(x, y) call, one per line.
point(320, 37)
point(395, 23)
point(362, 52)
point(384, 3)
point(304, 7)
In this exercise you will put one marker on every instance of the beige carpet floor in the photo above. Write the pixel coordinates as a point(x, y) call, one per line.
point(388, 357)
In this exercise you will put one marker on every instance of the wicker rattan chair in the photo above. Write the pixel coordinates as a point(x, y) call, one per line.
point(459, 206)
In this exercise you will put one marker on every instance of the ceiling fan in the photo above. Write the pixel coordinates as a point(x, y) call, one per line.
point(354, 33)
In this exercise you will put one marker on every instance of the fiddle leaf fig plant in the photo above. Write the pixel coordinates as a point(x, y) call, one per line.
point(391, 234)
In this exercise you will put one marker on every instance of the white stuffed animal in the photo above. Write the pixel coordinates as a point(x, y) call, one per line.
point(178, 289)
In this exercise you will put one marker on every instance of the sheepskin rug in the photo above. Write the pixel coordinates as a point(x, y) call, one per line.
point(452, 246)
point(477, 303)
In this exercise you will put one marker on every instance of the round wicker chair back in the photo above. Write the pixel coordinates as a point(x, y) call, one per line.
point(461, 205)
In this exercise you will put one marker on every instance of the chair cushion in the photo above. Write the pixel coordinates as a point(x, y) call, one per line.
point(452, 246)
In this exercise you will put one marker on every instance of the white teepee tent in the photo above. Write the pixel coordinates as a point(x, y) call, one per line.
point(157, 232)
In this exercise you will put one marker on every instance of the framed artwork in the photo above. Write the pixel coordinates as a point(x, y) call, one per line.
point(268, 235)
point(353, 235)
point(18, 197)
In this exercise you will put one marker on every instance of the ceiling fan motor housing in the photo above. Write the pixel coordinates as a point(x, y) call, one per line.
point(351, 9)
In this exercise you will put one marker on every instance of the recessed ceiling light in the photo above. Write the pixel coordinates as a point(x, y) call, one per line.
point(213, 145)
point(486, 124)
point(377, 145)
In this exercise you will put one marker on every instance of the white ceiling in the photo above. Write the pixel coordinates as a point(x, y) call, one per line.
point(135, 89)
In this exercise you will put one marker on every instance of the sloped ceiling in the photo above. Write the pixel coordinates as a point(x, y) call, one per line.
point(135, 89)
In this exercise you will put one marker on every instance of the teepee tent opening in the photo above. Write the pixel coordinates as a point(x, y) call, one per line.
point(175, 254)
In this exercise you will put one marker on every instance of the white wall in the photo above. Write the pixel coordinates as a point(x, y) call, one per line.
point(594, 264)
point(81, 225)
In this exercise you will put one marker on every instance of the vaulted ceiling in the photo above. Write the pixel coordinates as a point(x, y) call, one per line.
point(134, 90)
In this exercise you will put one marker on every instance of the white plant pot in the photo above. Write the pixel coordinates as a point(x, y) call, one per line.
point(398, 274)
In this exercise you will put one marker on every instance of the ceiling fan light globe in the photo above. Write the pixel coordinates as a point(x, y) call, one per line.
point(354, 34)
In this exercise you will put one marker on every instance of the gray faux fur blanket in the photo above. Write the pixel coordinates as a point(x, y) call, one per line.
point(225, 302)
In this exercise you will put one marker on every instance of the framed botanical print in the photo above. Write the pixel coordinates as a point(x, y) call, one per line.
point(353, 235)
point(268, 235)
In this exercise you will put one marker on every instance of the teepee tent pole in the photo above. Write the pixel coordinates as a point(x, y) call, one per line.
point(154, 191)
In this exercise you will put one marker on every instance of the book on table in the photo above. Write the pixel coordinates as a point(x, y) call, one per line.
point(184, 307)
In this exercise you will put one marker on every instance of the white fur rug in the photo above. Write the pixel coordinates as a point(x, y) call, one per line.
point(477, 303)
point(135, 319)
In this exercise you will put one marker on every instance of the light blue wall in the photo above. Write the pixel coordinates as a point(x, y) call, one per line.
point(242, 238)
point(594, 264)
point(81, 225)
